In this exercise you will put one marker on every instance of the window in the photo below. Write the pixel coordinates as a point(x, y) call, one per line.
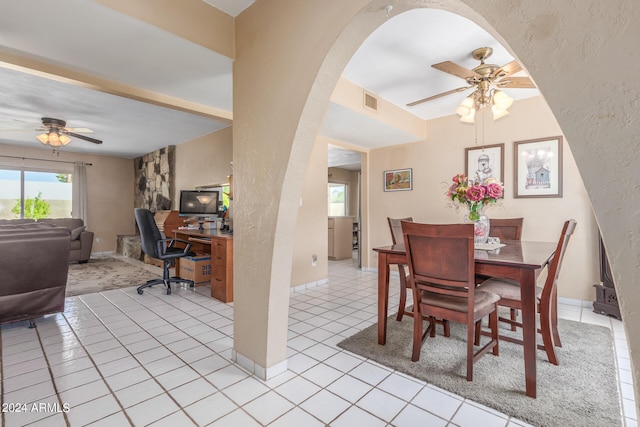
point(337, 199)
point(35, 194)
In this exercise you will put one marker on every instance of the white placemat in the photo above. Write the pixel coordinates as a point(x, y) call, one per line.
point(489, 246)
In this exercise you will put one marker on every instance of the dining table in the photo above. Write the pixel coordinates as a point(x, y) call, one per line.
point(522, 261)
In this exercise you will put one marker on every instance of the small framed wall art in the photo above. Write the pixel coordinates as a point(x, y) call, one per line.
point(482, 163)
point(538, 167)
point(398, 180)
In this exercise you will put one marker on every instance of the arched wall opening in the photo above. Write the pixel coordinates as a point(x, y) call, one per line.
point(277, 120)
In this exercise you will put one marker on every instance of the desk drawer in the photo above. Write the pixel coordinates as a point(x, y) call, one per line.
point(218, 251)
point(221, 289)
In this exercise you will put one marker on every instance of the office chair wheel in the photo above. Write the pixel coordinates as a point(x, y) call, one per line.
point(140, 291)
point(192, 285)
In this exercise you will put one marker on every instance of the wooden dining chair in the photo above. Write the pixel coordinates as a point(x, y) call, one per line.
point(509, 292)
point(398, 238)
point(442, 276)
point(506, 228)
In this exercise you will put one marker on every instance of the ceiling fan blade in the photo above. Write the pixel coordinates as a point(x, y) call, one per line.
point(456, 70)
point(86, 138)
point(79, 130)
point(440, 95)
point(510, 68)
point(516, 83)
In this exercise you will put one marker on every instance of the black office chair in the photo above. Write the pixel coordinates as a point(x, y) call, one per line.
point(156, 245)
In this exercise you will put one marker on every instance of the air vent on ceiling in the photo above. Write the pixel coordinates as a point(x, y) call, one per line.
point(370, 101)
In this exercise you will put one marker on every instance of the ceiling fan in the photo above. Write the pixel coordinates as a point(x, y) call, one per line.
point(487, 79)
point(57, 134)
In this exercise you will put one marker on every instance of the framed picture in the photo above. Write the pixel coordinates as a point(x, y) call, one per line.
point(398, 180)
point(485, 162)
point(538, 167)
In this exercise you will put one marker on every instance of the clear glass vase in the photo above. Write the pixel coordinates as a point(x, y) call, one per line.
point(480, 222)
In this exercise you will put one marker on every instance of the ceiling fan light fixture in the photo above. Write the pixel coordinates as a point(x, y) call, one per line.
point(498, 113)
point(469, 118)
point(501, 100)
point(53, 138)
point(465, 107)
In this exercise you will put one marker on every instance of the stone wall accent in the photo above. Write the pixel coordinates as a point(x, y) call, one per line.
point(154, 179)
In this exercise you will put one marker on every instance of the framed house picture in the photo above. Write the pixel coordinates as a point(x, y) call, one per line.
point(398, 180)
point(484, 162)
point(538, 167)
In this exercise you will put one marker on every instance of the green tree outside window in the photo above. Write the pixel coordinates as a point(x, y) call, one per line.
point(35, 208)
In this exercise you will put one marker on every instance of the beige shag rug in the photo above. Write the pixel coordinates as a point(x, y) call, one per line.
point(105, 272)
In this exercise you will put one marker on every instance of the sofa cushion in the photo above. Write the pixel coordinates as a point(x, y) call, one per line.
point(70, 223)
point(16, 221)
point(75, 232)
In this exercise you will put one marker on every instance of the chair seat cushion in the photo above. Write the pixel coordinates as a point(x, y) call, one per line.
point(507, 289)
point(481, 301)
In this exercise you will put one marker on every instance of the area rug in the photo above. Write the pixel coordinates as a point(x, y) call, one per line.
point(105, 272)
point(581, 391)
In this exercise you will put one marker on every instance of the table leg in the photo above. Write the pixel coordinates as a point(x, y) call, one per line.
point(529, 328)
point(383, 296)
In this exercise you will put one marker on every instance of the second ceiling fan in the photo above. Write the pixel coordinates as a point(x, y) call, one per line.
point(487, 79)
point(57, 134)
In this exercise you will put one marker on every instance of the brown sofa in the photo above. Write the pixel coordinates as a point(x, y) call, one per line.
point(81, 238)
point(34, 265)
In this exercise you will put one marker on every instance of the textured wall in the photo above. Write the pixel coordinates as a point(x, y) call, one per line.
point(154, 179)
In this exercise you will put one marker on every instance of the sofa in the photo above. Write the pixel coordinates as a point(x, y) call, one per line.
point(34, 265)
point(81, 239)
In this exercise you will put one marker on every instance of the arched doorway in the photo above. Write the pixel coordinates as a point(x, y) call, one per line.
point(277, 118)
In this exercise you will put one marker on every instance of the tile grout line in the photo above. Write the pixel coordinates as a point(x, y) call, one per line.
point(82, 345)
point(166, 392)
point(55, 387)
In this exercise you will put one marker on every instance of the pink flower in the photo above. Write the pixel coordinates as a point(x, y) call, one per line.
point(494, 190)
point(460, 178)
point(475, 193)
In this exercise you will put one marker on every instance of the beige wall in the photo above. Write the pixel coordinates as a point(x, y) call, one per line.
point(311, 227)
point(442, 156)
point(203, 161)
point(110, 185)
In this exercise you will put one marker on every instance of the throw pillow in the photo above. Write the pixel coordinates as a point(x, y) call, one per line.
point(75, 233)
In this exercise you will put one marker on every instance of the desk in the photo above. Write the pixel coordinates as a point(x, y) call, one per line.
point(220, 246)
point(521, 261)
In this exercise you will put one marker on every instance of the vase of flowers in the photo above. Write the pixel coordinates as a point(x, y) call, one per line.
point(475, 196)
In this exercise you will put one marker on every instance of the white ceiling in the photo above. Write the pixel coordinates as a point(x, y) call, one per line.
point(394, 63)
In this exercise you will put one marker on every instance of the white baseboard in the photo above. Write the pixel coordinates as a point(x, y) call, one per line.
point(257, 370)
point(304, 286)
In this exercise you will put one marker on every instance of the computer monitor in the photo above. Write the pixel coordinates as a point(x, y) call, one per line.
point(203, 204)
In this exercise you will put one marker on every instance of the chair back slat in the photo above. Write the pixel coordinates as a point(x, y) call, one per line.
point(506, 228)
point(440, 257)
point(396, 229)
point(556, 263)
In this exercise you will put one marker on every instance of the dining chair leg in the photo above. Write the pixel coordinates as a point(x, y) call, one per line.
point(471, 331)
point(513, 317)
point(476, 338)
point(547, 335)
point(493, 324)
point(554, 321)
point(417, 333)
point(403, 293)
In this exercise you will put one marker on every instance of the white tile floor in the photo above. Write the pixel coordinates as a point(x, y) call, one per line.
point(120, 359)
